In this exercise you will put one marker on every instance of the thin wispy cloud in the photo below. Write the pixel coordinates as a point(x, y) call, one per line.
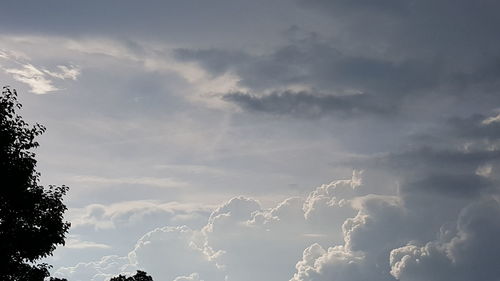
point(40, 80)
point(33, 77)
point(73, 243)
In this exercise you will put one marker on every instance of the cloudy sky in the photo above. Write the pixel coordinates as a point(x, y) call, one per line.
point(295, 140)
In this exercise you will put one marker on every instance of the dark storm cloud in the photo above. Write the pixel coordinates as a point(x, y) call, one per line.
point(318, 64)
point(429, 159)
point(308, 105)
point(475, 127)
point(485, 78)
point(456, 160)
point(355, 84)
point(343, 6)
point(460, 186)
point(216, 61)
point(390, 84)
point(403, 53)
point(441, 174)
point(429, 26)
point(437, 183)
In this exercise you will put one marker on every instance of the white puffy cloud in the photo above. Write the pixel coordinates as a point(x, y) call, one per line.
point(113, 229)
point(169, 252)
point(332, 203)
point(393, 237)
point(336, 193)
point(376, 227)
point(368, 237)
point(273, 239)
point(255, 244)
point(103, 269)
point(336, 263)
point(191, 277)
point(240, 241)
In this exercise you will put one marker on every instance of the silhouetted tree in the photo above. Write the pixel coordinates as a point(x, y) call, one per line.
point(57, 279)
point(31, 216)
point(139, 276)
point(120, 278)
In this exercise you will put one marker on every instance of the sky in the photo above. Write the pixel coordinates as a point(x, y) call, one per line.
point(295, 140)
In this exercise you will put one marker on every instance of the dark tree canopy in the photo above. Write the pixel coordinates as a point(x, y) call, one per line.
point(57, 279)
point(31, 216)
point(139, 276)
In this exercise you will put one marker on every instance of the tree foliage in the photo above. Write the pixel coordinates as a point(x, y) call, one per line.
point(57, 279)
point(139, 276)
point(31, 216)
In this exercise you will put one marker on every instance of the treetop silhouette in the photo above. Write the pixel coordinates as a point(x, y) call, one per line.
point(139, 276)
point(31, 216)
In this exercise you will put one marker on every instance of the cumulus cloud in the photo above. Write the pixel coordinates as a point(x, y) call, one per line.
point(273, 239)
point(100, 270)
point(440, 224)
point(336, 263)
point(464, 251)
point(170, 252)
point(394, 237)
point(368, 236)
point(381, 224)
point(231, 232)
point(239, 236)
point(191, 277)
point(112, 229)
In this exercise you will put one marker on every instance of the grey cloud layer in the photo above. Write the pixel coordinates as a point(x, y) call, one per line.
point(308, 105)
point(404, 56)
point(177, 22)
